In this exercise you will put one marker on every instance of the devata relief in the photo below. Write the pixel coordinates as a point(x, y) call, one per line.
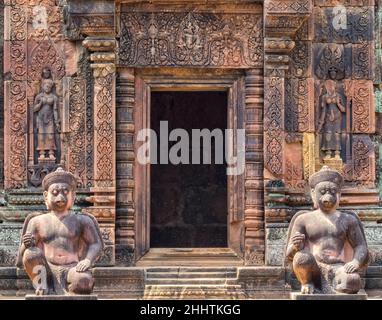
point(330, 123)
point(47, 120)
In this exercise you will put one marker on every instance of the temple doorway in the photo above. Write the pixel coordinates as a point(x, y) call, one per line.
point(188, 201)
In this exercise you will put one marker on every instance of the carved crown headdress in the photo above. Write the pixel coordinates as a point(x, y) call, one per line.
point(326, 174)
point(59, 176)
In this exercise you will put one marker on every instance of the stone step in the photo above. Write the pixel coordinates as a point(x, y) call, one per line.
point(216, 262)
point(197, 281)
point(193, 292)
point(192, 252)
point(190, 275)
point(176, 257)
point(191, 269)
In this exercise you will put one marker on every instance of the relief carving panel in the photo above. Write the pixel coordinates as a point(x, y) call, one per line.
point(191, 39)
point(77, 127)
point(273, 124)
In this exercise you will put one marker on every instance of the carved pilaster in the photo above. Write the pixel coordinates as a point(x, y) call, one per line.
point(104, 113)
point(15, 90)
point(76, 126)
point(277, 63)
point(125, 215)
point(254, 185)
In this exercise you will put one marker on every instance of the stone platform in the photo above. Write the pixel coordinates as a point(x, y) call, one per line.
point(61, 297)
point(186, 282)
point(298, 296)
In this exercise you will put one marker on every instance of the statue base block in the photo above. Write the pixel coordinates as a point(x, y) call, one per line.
point(299, 296)
point(62, 297)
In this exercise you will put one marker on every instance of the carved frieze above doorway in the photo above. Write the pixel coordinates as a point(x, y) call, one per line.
point(222, 37)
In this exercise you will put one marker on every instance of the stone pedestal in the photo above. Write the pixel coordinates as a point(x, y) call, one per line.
point(298, 296)
point(61, 297)
point(334, 163)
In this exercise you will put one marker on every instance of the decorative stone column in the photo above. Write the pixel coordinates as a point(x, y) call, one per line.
point(103, 58)
point(254, 175)
point(125, 213)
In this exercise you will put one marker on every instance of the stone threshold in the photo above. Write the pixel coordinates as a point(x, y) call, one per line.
point(201, 257)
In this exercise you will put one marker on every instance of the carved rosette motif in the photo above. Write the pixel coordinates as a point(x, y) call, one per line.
point(191, 39)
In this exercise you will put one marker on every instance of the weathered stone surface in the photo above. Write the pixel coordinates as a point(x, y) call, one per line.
point(122, 282)
point(10, 234)
point(258, 281)
point(352, 297)
point(8, 255)
point(61, 297)
point(276, 238)
point(373, 234)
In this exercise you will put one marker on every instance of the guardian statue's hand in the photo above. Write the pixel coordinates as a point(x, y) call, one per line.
point(28, 240)
point(298, 241)
point(83, 265)
point(351, 266)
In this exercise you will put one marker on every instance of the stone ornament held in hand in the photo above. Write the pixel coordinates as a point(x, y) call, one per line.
point(59, 248)
point(326, 247)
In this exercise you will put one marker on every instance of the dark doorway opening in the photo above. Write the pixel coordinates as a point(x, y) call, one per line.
point(188, 202)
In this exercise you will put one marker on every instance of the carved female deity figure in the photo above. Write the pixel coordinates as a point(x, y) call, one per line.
point(47, 119)
point(331, 120)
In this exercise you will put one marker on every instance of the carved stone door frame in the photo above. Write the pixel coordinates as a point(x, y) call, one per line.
point(148, 80)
